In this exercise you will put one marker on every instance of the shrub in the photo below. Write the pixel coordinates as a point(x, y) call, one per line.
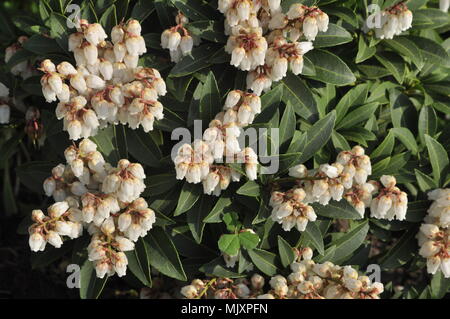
point(273, 149)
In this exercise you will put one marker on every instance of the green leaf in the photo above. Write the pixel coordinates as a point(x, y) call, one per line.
point(90, 286)
point(218, 209)
point(41, 45)
point(403, 250)
point(299, 95)
point(339, 142)
point(197, 60)
point(336, 210)
point(138, 263)
point(142, 10)
point(407, 48)
point(194, 9)
point(210, 98)
point(58, 30)
point(270, 102)
point(334, 36)
point(286, 252)
point(265, 261)
point(439, 285)
point(208, 29)
point(354, 97)
point(349, 242)
point(425, 182)
point(106, 144)
point(287, 126)
point(314, 234)
point(217, 268)
point(163, 255)
point(330, 68)
point(406, 137)
point(393, 63)
point(33, 174)
point(248, 240)
point(250, 188)
point(196, 215)
point(229, 244)
point(317, 136)
point(403, 112)
point(427, 122)
point(189, 195)
point(429, 18)
point(109, 18)
point(360, 114)
point(432, 52)
point(364, 51)
point(438, 158)
point(159, 184)
point(142, 147)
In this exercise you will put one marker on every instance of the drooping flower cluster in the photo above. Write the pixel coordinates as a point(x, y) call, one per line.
point(434, 235)
point(265, 42)
point(290, 210)
point(5, 111)
point(391, 203)
point(308, 280)
point(390, 22)
point(344, 179)
point(203, 160)
point(106, 86)
point(24, 68)
point(178, 39)
point(105, 200)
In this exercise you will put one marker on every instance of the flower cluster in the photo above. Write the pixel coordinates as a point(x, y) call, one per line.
point(265, 41)
point(434, 235)
point(344, 179)
point(178, 40)
point(308, 280)
point(391, 202)
point(24, 69)
point(201, 161)
point(106, 86)
point(92, 194)
point(392, 21)
point(5, 111)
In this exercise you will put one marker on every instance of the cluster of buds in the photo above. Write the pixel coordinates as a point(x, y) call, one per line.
point(290, 210)
point(391, 202)
point(64, 219)
point(106, 86)
point(307, 280)
point(247, 47)
point(300, 21)
point(347, 179)
point(434, 235)
point(104, 199)
point(5, 110)
point(178, 40)
point(265, 42)
point(202, 162)
point(25, 68)
point(107, 248)
point(391, 22)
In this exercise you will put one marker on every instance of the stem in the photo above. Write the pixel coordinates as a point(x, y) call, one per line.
point(212, 281)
